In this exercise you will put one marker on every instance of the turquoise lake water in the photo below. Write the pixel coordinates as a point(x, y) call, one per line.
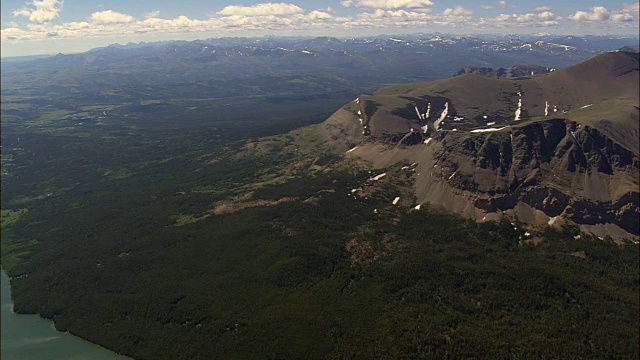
point(29, 337)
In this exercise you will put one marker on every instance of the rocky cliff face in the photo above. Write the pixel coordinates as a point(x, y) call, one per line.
point(556, 167)
point(578, 165)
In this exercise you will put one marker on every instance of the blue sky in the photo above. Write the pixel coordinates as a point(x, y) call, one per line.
point(51, 26)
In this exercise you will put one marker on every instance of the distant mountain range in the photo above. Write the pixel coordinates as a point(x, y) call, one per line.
point(549, 149)
point(508, 73)
point(252, 66)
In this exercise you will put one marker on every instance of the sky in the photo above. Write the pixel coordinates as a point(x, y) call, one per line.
point(35, 27)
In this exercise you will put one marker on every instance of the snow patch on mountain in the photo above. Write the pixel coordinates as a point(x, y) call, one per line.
point(444, 114)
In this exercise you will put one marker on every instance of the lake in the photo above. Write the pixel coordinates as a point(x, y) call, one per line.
point(29, 337)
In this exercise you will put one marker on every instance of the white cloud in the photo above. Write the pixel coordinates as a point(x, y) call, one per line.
point(487, 7)
point(262, 9)
point(389, 4)
point(451, 16)
point(110, 17)
point(629, 11)
point(319, 15)
point(24, 12)
point(391, 14)
point(152, 14)
point(547, 16)
point(15, 34)
point(381, 18)
point(37, 28)
point(109, 23)
point(542, 19)
point(40, 11)
point(503, 4)
point(542, 8)
point(75, 25)
point(599, 13)
point(181, 23)
point(457, 11)
point(622, 17)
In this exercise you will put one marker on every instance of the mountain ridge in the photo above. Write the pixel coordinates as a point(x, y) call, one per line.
point(573, 161)
point(505, 73)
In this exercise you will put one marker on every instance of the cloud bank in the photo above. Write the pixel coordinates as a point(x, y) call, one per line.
point(262, 9)
point(388, 4)
point(43, 19)
point(110, 17)
point(40, 11)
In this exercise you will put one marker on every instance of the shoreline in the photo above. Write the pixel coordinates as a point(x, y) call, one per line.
point(52, 325)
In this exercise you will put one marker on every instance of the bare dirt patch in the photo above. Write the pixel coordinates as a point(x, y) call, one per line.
point(535, 242)
point(314, 200)
point(579, 254)
point(229, 208)
point(245, 197)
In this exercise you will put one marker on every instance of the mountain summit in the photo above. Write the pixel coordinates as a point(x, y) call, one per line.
point(549, 149)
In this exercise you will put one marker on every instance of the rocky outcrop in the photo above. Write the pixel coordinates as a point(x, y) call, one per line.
point(549, 167)
point(541, 173)
point(557, 167)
